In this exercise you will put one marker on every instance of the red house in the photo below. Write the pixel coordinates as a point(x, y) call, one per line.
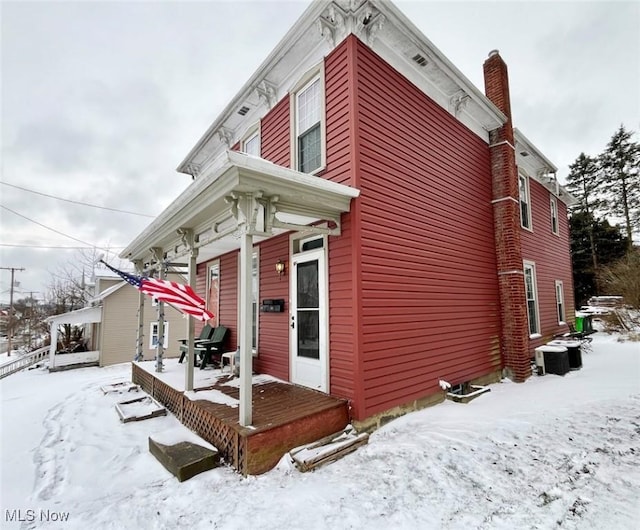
point(372, 218)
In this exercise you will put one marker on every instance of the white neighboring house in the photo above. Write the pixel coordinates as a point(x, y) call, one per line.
point(111, 322)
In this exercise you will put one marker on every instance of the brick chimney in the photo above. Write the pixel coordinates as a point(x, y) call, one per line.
point(506, 223)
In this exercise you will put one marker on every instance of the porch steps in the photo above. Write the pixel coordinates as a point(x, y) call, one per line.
point(184, 459)
point(328, 449)
point(140, 408)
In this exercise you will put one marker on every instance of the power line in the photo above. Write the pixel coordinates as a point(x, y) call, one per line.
point(52, 229)
point(76, 202)
point(52, 247)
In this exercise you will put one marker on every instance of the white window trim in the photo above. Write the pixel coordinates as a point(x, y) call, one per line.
point(252, 132)
point(529, 209)
point(560, 300)
point(553, 204)
point(256, 252)
point(215, 263)
point(531, 265)
point(152, 334)
point(317, 72)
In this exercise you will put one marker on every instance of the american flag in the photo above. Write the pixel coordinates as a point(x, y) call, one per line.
point(178, 295)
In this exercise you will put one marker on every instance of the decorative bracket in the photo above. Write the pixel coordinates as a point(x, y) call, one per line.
point(458, 102)
point(226, 136)
point(187, 236)
point(194, 169)
point(267, 93)
point(360, 18)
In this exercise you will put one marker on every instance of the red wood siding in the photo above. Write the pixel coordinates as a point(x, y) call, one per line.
point(344, 255)
point(275, 142)
point(273, 334)
point(339, 113)
point(551, 255)
point(429, 283)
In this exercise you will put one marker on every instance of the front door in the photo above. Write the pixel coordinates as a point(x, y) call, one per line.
point(308, 320)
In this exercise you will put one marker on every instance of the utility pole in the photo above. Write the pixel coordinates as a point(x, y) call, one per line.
point(10, 326)
point(30, 321)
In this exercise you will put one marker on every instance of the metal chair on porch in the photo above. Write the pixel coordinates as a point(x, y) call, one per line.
point(214, 346)
point(205, 335)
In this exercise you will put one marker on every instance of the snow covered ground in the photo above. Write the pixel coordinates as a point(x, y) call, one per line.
point(552, 452)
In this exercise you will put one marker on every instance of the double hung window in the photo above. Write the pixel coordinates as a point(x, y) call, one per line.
point(308, 124)
point(554, 215)
point(153, 335)
point(560, 301)
point(525, 202)
point(531, 294)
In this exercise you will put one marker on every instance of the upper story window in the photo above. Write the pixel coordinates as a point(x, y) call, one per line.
point(251, 143)
point(308, 144)
point(525, 202)
point(554, 215)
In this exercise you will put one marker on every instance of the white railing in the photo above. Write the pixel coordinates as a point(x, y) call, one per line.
point(23, 361)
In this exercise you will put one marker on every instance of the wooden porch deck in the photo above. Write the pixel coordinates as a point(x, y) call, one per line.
point(284, 415)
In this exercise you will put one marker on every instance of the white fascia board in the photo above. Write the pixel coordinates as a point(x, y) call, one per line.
point(298, 30)
point(534, 151)
point(291, 176)
point(85, 315)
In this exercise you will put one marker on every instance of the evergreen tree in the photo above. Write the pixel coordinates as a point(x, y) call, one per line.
point(582, 183)
point(609, 245)
point(620, 185)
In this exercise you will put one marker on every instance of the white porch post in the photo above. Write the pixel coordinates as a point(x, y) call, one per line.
point(159, 257)
point(246, 356)
point(53, 331)
point(188, 238)
point(139, 356)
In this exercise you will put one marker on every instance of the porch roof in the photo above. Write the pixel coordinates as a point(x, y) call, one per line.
point(287, 200)
point(86, 315)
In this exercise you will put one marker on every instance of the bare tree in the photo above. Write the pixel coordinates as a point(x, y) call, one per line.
point(71, 288)
point(623, 278)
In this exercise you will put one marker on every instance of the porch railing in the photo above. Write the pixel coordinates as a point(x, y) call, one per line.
point(23, 361)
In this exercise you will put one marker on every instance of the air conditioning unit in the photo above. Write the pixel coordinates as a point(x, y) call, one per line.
point(540, 361)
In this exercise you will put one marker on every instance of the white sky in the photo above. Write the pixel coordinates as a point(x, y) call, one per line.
point(102, 100)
